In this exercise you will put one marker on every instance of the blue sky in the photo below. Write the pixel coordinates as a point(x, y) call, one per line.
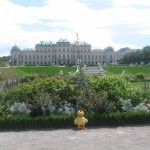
point(101, 23)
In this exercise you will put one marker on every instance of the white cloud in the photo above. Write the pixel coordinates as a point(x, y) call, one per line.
point(131, 2)
point(93, 26)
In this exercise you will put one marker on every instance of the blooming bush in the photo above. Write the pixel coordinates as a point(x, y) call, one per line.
point(20, 108)
point(141, 107)
point(126, 105)
point(67, 108)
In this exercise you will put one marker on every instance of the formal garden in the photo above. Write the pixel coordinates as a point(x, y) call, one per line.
point(43, 97)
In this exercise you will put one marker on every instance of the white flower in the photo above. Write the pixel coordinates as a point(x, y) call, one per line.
point(19, 108)
point(126, 105)
point(141, 107)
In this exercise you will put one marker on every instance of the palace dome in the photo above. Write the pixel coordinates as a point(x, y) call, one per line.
point(15, 48)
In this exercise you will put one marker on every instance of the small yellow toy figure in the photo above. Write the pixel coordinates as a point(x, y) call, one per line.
point(80, 121)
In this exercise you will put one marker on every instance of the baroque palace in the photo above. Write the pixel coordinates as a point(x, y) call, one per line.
point(62, 52)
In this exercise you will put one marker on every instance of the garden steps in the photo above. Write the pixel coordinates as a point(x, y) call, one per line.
point(95, 71)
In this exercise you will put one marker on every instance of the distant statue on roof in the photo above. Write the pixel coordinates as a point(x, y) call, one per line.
point(77, 40)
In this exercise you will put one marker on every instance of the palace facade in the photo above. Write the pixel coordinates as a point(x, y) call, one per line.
point(62, 52)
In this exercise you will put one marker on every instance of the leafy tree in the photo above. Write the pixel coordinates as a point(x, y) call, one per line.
point(137, 56)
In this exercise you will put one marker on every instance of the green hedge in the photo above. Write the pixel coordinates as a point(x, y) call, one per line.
point(61, 121)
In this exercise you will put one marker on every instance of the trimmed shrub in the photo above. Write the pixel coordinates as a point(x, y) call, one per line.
point(61, 121)
point(140, 76)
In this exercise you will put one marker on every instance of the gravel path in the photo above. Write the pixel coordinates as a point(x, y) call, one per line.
point(102, 138)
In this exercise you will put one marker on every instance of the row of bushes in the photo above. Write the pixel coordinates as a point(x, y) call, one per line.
point(138, 77)
point(64, 95)
point(61, 121)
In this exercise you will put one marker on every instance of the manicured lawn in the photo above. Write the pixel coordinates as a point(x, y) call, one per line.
point(23, 71)
point(128, 69)
point(140, 85)
point(7, 73)
point(46, 69)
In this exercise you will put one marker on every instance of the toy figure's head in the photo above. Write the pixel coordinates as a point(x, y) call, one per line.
point(80, 113)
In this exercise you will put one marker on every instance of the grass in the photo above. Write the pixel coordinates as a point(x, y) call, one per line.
point(140, 85)
point(24, 71)
point(128, 69)
point(7, 73)
point(46, 69)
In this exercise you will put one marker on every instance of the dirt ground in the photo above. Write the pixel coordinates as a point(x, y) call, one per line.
point(102, 138)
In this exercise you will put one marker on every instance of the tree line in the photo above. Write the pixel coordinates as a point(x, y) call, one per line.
point(4, 59)
point(138, 56)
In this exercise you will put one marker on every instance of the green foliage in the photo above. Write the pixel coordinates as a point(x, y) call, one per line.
point(136, 96)
point(93, 102)
point(61, 121)
point(100, 95)
point(138, 56)
point(115, 86)
point(32, 77)
point(4, 109)
point(140, 76)
point(4, 60)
